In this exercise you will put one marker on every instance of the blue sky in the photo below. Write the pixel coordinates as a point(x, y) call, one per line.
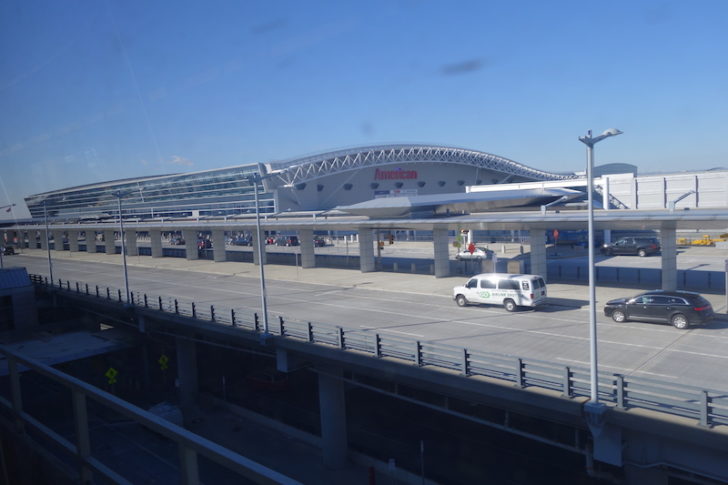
point(99, 90)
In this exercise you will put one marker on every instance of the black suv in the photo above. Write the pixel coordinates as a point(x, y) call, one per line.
point(680, 308)
point(641, 246)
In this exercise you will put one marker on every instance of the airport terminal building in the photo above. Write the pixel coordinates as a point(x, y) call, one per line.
point(316, 183)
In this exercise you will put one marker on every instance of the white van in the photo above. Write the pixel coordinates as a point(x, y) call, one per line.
point(509, 290)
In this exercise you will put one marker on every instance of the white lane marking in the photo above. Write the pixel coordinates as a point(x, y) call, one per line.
point(384, 329)
point(624, 369)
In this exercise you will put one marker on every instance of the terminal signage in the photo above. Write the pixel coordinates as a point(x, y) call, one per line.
point(396, 174)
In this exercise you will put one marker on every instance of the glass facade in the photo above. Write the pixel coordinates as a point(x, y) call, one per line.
point(220, 192)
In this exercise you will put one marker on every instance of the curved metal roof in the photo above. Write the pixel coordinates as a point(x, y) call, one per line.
point(304, 169)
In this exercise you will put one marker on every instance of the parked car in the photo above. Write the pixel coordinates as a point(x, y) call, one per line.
point(176, 241)
point(641, 246)
point(240, 241)
point(478, 254)
point(8, 250)
point(287, 241)
point(319, 242)
point(680, 308)
point(204, 244)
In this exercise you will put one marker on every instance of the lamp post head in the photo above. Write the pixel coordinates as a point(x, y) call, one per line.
point(591, 141)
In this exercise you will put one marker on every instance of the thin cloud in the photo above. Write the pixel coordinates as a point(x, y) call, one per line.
point(182, 161)
point(462, 67)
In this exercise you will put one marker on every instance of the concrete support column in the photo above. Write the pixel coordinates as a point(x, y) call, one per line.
point(43, 239)
point(538, 252)
point(58, 240)
point(669, 258)
point(308, 255)
point(332, 405)
point(73, 241)
point(258, 239)
point(90, 241)
point(155, 242)
point(366, 250)
point(218, 245)
point(190, 237)
point(441, 253)
point(110, 242)
point(187, 377)
point(131, 243)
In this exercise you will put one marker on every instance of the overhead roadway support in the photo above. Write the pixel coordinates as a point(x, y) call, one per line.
point(190, 237)
point(58, 240)
point(669, 258)
point(110, 242)
point(538, 252)
point(155, 242)
point(218, 246)
point(441, 252)
point(308, 255)
point(43, 239)
point(259, 239)
point(366, 250)
point(90, 241)
point(73, 241)
point(131, 243)
point(332, 406)
point(187, 377)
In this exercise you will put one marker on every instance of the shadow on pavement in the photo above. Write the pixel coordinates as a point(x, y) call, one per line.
point(553, 304)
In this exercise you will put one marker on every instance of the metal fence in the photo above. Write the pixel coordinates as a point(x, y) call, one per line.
point(707, 406)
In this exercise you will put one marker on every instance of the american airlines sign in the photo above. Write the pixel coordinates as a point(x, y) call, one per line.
point(397, 174)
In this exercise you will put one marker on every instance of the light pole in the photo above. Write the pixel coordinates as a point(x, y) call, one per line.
point(48, 240)
point(255, 179)
point(120, 195)
point(590, 141)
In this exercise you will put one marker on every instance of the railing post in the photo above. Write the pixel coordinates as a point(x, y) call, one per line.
point(232, 316)
point(340, 338)
point(87, 288)
point(620, 390)
point(377, 345)
point(68, 285)
point(310, 331)
point(519, 372)
point(257, 322)
point(189, 472)
point(281, 325)
point(566, 386)
point(78, 288)
point(418, 353)
point(45, 278)
point(97, 291)
point(83, 444)
point(119, 293)
point(194, 310)
point(108, 293)
point(704, 409)
point(159, 301)
point(146, 301)
point(466, 362)
point(176, 306)
point(212, 313)
point(131, 295)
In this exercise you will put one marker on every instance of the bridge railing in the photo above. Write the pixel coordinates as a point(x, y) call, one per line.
point(707, 406)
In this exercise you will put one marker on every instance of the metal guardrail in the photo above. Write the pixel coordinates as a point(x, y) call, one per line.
point(707, 406)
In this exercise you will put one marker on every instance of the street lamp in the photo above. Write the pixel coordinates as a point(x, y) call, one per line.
point(590, 141)
point(120, 195)
point(255, 179)
point(48, 240)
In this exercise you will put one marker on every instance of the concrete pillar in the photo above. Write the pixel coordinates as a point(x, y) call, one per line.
point(308, 255)
point(58, 240)
point(110, 242)
point(259, 239)
point(218, 245)
point(131, 243)
point(332, 406)
point(669, 258)
point(187, 377)
point(190, 237)
point(73, 241)
point(441, 253)
point(90, 241)
point(538, 252)
point(155, 242)
point(43, 239)
point(366, 250)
